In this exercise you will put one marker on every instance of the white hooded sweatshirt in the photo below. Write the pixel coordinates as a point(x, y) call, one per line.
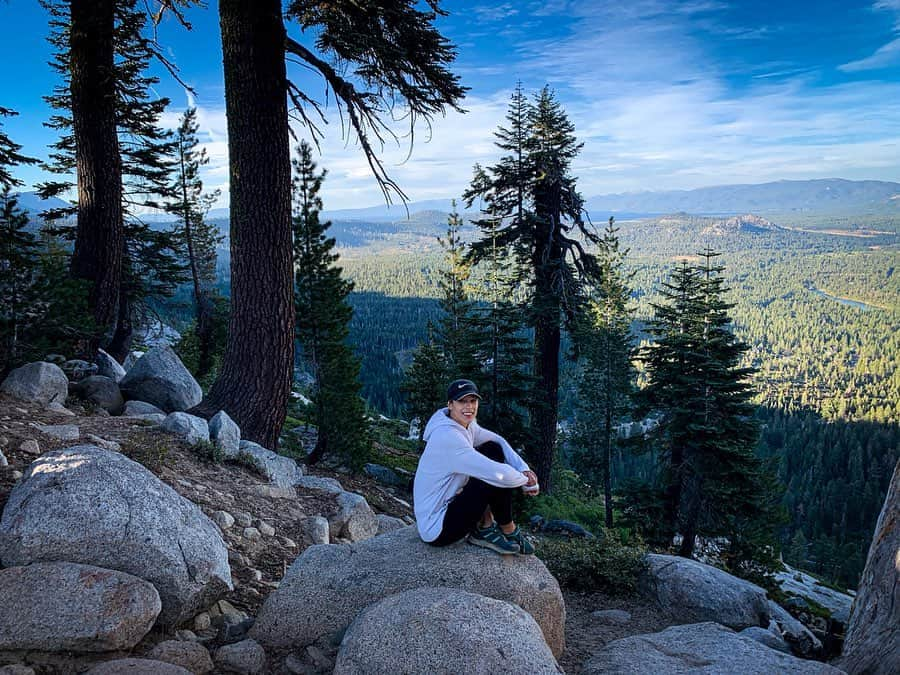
point(447, 463)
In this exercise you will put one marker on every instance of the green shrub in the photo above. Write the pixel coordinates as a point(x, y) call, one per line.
point(209, 451)
point(600, 564)
point(572, 499)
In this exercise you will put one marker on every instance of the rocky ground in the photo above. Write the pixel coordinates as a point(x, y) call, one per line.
point(258, 563)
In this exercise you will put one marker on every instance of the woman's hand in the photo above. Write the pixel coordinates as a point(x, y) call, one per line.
point(531, 488)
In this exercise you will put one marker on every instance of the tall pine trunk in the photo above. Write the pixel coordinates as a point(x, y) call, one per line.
point(545, 407)
point(253, 384)
point(99, 238)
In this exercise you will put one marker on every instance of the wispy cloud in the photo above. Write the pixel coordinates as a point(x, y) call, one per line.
point(888, 54)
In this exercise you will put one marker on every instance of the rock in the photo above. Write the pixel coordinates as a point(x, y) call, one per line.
point(388, 523)
point(64, 606)
point(275, 492)
point(766, 637)
point(694, 591)
point(225, 434)
point(385, 475)
point(316, 530)
point(278, 469)
point(798, 637)
point(77, 369)
point(55, 359)
point(243, 518)
point(443, 630)
point(354, 519)
point(265, 529)
point(160, 378)
point(30, 447)
point(137, 667)
point(107, 366)
point(101, 391)
point(60, 409)
point(189, 428)
point(61, 432)
point(138, 525)
point(319, 484)
point(223, 519)
point(246, 657)
point(611, 617)
point(558, 526)
point(251, 534)
point(132, 358)
point(140, 408)
point(38, 382)
point(16, 669)
point(872, 643)
point(112, 446)
point(202, 621)
point(707, 648)
point(186, 635)
point(327, 586)
point(16, 475)
point(189, 655)
point(807, 587)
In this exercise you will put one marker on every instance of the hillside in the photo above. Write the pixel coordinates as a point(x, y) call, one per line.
point(831, 195)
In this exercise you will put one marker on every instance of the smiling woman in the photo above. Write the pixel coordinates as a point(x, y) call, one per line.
point(465, 479)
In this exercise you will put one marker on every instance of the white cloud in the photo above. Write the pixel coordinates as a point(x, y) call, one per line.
point(888, 54)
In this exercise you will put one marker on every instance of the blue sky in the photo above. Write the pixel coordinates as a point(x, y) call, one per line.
point(664, 95)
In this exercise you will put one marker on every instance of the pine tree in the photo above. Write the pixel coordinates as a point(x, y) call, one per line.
point(425, 381)
point(18, 266)
point(453, 331)
point(140, 162)
point(10, 155)
point(707, 429)
point(606, 381)
point(322, 319)
point(375, 58)
point(198, 237)
point(533, 193)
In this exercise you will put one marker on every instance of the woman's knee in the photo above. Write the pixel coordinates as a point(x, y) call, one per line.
point(491, 450)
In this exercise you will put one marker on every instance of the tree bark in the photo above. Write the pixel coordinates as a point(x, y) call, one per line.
point(253, 384)
point(99, 235)
point(872, 644)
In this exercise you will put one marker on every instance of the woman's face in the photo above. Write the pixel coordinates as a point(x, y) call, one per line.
point(464, 410)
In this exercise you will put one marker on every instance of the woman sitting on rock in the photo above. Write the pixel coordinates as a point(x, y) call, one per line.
point(465, 480)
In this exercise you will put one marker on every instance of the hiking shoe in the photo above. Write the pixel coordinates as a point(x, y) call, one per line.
point(492, 538)
point(525, 546)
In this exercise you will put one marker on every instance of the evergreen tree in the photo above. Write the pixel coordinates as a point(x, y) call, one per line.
point(714, 484)
point(148, 266)
point(607, 375)
point(533, 193)
point(18, 265)
point(425, 381)
point(453, 332)
point(198, 237)
point(10, 155)
point(322, 319)
point(375, 58)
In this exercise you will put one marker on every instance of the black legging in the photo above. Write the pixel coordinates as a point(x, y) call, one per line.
point(467, 508)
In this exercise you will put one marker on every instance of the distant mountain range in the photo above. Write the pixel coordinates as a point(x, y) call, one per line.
point(824, 196)
point(829, 195)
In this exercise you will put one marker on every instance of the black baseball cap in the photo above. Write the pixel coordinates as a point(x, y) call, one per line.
point(461, 388)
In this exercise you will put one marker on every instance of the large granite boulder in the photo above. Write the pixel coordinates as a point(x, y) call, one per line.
point(38, 382)
point(51, 607)
point(802, 585)
point(189, 428)
point(101, 391)
point(693, 591)
point(798, 637)
point(872, 643)
point(329, 585)
point(444, 630)
point(701, 648)
point(96, 507)
point(278, 469)
point(159, 377)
